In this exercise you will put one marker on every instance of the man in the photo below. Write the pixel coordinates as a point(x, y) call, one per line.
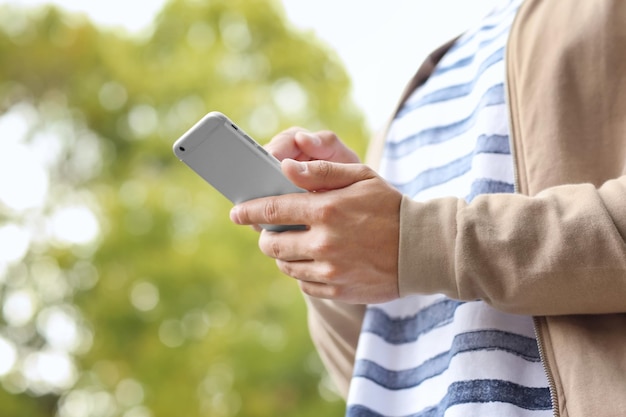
point(494, 247)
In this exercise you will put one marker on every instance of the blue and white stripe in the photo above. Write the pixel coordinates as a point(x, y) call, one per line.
point(427, 356)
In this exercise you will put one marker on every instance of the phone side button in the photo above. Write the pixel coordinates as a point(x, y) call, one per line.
point(262, 149)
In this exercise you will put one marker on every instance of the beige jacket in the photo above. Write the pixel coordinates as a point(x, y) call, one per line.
point(555, 250)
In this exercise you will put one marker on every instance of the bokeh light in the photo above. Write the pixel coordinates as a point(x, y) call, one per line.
point(23, 179)
point(8, 356)
point(14, 243)
point(48, 370)
point(74, 225)
point(19, 307)
point(144, 296)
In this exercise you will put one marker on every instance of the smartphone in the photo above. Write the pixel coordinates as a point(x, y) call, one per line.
point(233, 163)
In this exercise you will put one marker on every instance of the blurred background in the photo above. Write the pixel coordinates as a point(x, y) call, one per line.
point(124, 289)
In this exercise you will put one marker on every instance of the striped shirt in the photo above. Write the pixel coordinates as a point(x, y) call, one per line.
point(430, 355)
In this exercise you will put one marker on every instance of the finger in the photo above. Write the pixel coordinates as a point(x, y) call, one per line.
point(306, 271)
point(300, 208)
point(325, 175)
point(299, 144)
point(324, 145)
point(319, 290)
point(299, 270)
point(284, 246)
point(284, 145)
point(284, 209)
point(309, 283)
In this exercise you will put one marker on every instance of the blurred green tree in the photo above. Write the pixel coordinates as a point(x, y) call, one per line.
point(125, 290)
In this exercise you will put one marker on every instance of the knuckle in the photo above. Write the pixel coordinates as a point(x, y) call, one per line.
point(274, 250)
point(270, 246)
point(324, 169)
point(364, 172)
point(271, 211)
point(322, 248)
point(327, 212)
point(329, 272)
point(330, 135)
point(334, 292)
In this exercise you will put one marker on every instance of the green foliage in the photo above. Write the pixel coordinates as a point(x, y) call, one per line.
point(176, 311)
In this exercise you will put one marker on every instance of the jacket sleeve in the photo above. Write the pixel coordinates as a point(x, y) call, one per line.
point(561, 251)
point(552, 249)
point(335, 328)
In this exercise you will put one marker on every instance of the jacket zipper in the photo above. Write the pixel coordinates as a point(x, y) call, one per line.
point(546, 368)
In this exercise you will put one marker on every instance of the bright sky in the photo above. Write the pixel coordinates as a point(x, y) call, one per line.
point(381, 42)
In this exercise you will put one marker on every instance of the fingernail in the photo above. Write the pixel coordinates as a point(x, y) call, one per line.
point(234, 215)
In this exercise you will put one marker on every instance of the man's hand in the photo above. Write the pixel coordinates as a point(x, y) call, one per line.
point(301, 145)
point(350, 250)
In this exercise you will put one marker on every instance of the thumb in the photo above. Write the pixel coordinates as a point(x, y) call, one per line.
point(324, 145)
point(325, 175)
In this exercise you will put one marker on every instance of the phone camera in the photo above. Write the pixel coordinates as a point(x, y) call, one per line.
point(182, 148)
